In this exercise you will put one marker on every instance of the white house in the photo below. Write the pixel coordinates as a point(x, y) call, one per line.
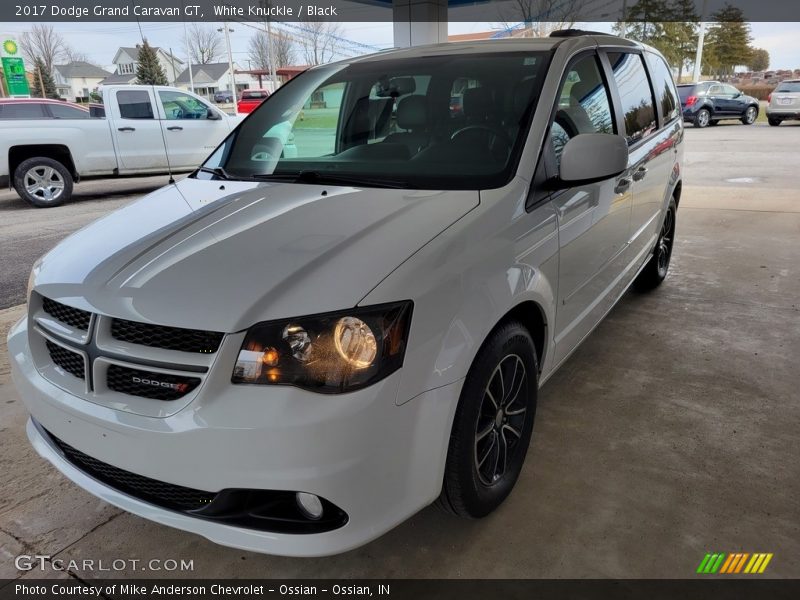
point(214, 77)
point(77, 79)
point(127, 59)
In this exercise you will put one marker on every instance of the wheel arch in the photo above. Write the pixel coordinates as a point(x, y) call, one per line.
point(57, 152)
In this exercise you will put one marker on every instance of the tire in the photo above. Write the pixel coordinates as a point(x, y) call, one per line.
point(43, 182)
point(773, 122)
point(476, 481)
point(713, 122)
point(750, 115)
point(658, 265)
point(702, 118)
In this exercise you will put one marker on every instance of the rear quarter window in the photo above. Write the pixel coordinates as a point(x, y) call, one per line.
point(21, 110)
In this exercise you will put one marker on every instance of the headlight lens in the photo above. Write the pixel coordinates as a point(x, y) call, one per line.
point(329, 353)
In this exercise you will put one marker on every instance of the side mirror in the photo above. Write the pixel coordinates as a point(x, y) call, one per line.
point(212, 115)
point(590, 157)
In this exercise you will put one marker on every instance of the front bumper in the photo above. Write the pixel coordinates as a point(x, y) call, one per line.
point(379, 462)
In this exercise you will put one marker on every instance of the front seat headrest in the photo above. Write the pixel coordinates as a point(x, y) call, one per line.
point(477, 103)
point(412, 112)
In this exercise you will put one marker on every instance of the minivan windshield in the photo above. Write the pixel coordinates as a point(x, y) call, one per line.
point(436, 122)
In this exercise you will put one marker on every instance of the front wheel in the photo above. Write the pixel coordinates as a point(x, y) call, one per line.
point(702, 118)
point(750, 115)
point(43, 182)
point(657, 267)
point(493, 424)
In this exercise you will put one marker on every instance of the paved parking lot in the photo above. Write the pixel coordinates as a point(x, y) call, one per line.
point(673, 430)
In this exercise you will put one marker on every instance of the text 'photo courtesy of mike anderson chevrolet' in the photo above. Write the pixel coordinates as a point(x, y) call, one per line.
point(321, 331)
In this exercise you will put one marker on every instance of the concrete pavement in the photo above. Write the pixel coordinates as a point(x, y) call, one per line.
point(671, 432)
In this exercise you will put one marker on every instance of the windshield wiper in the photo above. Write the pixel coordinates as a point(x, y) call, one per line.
point(218, 171)
point(333, 179)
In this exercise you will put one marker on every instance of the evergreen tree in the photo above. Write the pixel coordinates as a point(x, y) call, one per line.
point(728, 41)
point(680, 34)
point(41, 74)
point(149, 70)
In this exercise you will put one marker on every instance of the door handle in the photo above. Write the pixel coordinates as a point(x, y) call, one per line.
point(175, 128)
point(640, 173)
point(126, 129)
point(622, 185)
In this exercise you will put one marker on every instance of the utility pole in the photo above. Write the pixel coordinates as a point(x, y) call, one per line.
point(270, 49)
point(701, 37)
point(227, 30)
point(191, 76)
point(174, 73)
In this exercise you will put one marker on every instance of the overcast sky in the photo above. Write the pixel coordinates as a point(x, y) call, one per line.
point(100, 40)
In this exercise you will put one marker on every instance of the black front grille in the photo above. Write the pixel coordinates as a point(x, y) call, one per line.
point(74, 317)
point(169, 338)
point(71, 362)
point(157, 492)
point(158, 386)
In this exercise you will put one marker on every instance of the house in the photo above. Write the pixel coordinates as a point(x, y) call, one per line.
point(77, 79)
point(127, 59)
point(214, 77)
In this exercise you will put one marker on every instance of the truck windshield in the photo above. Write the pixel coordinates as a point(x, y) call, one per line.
point(438, 122)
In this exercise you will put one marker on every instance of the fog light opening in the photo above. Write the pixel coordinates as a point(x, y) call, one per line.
point(310, 505)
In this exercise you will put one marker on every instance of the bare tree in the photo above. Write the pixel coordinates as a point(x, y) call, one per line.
point(44, 43)
point(203, 44)
point(319, 41)
point(282, 47)
point(71, 55)
point(538, 18)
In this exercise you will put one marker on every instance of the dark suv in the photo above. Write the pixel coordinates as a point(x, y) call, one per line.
point(708, 102)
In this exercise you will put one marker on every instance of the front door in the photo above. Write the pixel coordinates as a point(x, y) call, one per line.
point(593, 219)
point(192, 129)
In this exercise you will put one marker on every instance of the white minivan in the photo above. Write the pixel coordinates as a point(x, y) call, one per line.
point(293, 354)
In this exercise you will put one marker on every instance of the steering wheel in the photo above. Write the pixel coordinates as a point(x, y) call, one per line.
point(491, 134)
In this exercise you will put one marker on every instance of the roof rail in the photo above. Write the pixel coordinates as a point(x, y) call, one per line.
point(563, 33)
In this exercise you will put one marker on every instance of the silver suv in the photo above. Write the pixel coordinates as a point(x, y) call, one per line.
point(784, 102)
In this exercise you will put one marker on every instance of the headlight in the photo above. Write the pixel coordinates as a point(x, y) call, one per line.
point(329, 353)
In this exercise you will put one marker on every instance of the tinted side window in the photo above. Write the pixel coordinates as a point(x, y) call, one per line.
point(583, 105)
point(134, 104)
point(664, 87)
point(67, 112)
point(634, 89)
point(22, 110)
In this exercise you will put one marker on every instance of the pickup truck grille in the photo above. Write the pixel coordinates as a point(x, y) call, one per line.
point(148, 384)
point(71, 362)
point(74, 317)
point(169, 338)
point(161, 493)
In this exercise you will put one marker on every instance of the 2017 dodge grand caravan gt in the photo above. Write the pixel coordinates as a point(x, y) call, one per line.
point(294, 354)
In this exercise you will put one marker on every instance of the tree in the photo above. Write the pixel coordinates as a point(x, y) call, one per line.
point(644, 21)
point(71, 55)
point(540, 17)
point(41, 74)
point(203, 44)
point(319, 41)
point(44, 43)
point(282, 49)
point(728, 41)
point(149, 71)
point(759, 60)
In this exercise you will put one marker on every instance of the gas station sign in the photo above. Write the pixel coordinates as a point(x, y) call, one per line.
point(13, 68)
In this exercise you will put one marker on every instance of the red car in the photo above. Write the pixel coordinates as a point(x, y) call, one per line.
point(250, 100)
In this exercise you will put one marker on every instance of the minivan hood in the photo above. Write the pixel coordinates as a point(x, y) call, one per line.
point(224, 255)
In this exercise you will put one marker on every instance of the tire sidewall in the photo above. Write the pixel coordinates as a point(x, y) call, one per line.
point(698, 120)
point(40, 161)
point(478, 499)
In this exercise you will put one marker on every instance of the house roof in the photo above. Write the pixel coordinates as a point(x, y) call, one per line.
point(116, 78)
point(80, 68)
point(204, 73)
point(133, 52)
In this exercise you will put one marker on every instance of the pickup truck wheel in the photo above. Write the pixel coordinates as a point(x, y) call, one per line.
point(43, 182)
point(492, 425)
point(750, 115)
point(657, 267)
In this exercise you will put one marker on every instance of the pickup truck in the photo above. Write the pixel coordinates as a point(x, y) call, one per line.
point(146, 129)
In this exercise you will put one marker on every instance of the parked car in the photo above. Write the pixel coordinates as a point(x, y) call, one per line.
point(249, 100)
point(784, 102)
point(293, 355)
point(41, 108)
point(709, 102)
point(223, 96)
point(145, 129)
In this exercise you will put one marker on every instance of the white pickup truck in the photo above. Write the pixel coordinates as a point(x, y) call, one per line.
point(146, 129)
